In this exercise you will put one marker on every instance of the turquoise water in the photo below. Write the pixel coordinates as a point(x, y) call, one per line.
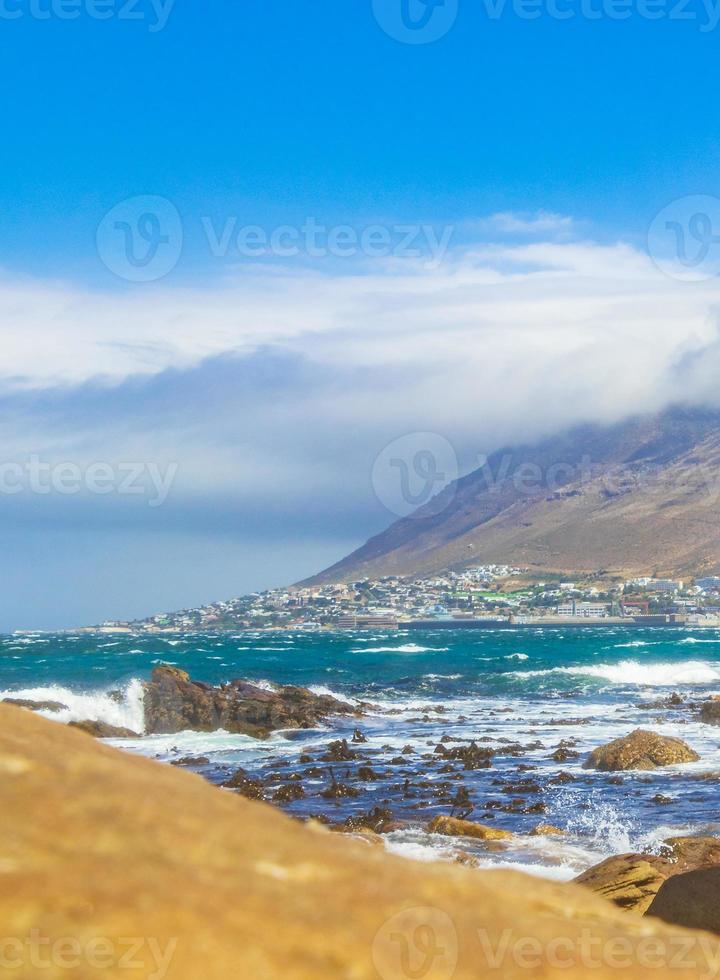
point(522, 693)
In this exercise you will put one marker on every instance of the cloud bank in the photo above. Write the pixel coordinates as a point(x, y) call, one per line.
point(275, 387)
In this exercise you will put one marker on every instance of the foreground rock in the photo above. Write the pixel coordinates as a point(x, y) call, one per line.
point(691, 900)
point(102, 844)
point(174, 703)
point(640, 750)
point(100, 729)
point(453, 827)
point(631, 881)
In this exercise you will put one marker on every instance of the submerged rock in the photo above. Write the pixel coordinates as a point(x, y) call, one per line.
point(454, 827)
point(174, 703)
point(100, 729)
point(640, 750)
point(245, 785)
point(191, 760)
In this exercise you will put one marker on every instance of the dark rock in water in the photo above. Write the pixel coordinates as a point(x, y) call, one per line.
point(367, 774)
point(379, 820)
point(245, 785)
point(710, 712)
point(36, 705)
point(338, 791)
point(691, 900)
point(662, 800)
point(674, 701)
point(358, 736)
point(174, 703)
point(471, 755)
point(286, 794)
point(191, 760)
point(99, 729)
point(563, 755)
point(563, 778)
point(640, 750)
point(339, 751)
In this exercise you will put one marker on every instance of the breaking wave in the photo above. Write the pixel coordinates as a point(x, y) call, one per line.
point(642, 675)
point(122, 707)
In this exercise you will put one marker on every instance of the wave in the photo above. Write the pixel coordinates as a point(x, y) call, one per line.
point(404, 648)
point(321, 690)
point(681, 673)
point(517, 656)
point(696, 639)
point(123, 708)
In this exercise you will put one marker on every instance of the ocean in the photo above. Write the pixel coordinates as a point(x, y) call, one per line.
point(524, 693)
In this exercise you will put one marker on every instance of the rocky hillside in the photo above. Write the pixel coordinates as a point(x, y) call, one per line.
point(116, 864)
point(641, 497)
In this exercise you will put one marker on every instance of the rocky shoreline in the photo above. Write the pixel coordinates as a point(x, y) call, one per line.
point(214, 885)
point(355, 772)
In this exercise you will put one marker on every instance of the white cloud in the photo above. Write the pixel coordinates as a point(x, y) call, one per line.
point(501, 342)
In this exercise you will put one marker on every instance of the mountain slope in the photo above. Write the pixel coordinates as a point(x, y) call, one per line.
point(642, 496)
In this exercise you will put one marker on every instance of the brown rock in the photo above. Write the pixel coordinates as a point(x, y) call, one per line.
point(629, 881)
point(691, 853)
point(99, 729)
point(174, 703)
point(547, 830)
point(710, 712)
point(191, 760)
point(100, 843)
point(640, 750)
point(691, 900)
point(454, 827)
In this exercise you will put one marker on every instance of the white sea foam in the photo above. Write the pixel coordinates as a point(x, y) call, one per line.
point(404, 648)
point(320, 689)
point(90, 706)
point(517, 656)
point(631, 672)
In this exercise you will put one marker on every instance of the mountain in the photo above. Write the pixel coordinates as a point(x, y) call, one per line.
point(638, 497)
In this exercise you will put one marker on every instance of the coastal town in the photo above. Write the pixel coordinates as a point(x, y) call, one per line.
point(486, 596)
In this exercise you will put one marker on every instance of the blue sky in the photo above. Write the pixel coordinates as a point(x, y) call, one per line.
point(545, 148)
